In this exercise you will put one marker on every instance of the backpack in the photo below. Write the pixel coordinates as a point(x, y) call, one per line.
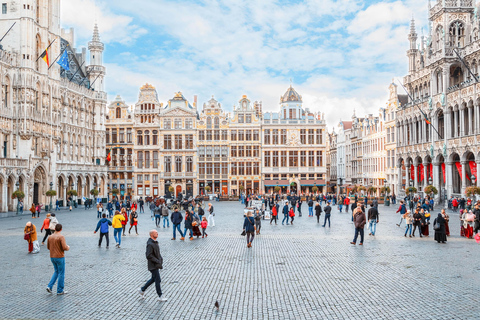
point(165, 211)
point(104, 227)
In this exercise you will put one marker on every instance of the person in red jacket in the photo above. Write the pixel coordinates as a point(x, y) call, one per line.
point(124, 222)
point(291, 214)
point(46, 226)
point(346, 203)
point(204, 225)
point(455, 204)
point(134, 206)
point(274, 214)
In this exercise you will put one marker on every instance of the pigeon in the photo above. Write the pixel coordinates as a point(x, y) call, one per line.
point(217, 305)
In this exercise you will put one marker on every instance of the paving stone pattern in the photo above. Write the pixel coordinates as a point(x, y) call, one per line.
point(300, 271)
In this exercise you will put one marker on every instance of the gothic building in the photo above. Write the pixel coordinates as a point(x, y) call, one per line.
point(52, 120)
point(444, 87)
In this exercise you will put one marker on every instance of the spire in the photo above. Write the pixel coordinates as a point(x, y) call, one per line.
point(96, 35)
point(412, 26)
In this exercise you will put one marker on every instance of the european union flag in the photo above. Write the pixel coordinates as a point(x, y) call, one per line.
point(63, 61)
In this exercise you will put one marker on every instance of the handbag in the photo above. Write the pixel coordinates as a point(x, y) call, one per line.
point(243, 233)
point(437, 226)
point(26, 236)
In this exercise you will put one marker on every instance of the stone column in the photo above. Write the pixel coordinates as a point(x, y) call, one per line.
point(436, 178)
point(415, 179)
point(464, 175)
point(477, 183)
point(4, 191)
point(426, 175)
point(449, 173)
point(461, 118)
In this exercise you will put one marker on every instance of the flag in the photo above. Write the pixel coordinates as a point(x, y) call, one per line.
point(109, 155)
point(44, 56)
point(426, 119)
point(63, 61)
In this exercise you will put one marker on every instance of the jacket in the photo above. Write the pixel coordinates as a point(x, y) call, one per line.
point(318, 210)
point(402, 209)
point(249, 224)
point(204, 224)
point(359, 219)
point(274, 211)
point(327, 209)
point(117, 221)
point(188, 221)
point(373, 214)
point(285, 209)
point(53, 223)
point(176, 217)
point(46, 224)
point(310, 203)
point(155, 260)
point(103, 225)
point(32, 231)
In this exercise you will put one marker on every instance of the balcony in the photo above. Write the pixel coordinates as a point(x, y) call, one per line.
point(13, 162)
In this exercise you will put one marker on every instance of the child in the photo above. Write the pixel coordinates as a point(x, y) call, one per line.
point(292, 215)
point(204, 225)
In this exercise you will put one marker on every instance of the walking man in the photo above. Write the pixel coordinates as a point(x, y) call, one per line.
point(359, 221)
point(177, 218)
point(285, 212)
point(402, 209)
point(57, 245)
point(328, 211)
point(372, 219)
point(103, 226)
point(155, 262)
point(310, 207)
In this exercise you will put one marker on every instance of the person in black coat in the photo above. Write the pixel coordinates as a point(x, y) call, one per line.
point(318, 211)
point(440, 233)
point(188, 224)
point(155, 262)
point(328, 211)
point(249, 228)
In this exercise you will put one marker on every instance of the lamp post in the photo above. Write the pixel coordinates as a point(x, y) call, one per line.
point(385, 193)
point(18, 200)
point(51, 186)
point(73, 185)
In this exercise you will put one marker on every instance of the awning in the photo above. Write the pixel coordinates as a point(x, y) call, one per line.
point(274, 183)
point(311, 183)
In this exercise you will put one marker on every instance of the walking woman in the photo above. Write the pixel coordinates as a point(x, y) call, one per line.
point(408, 220)
point(188, 224)
point(291, 214)
point(249, 228)
point(38, 208)
point(318, 211)
point(258, 220)
point(133, 221)
point(46, 226)
point(426, 222)
point(124, 213)
point(274, 214)
point(447, 218)
point(211, 214)
point(439, 226)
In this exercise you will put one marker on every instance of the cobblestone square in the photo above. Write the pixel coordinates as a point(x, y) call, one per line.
point(299, 271)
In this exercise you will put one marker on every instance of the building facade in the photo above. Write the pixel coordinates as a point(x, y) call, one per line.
point(444, 153)
point(52, 120)
point(332, 162)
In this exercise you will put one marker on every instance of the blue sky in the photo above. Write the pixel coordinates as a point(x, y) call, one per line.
point(340, 55)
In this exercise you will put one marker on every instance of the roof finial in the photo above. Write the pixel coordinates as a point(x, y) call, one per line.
point(412, 25)
point(96, 35)
point(291, 82)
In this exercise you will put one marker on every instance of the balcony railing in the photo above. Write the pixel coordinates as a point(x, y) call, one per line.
point(13, 162)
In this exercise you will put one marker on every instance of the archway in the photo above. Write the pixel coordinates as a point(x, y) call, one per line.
point(178, 190)
point(79, 187)
point(420, 172)
point(470, 169)
point(39, 185)
point(456, 173)
point(60, 187)
point(10, 190)
point(293, 187)
point(442, 174)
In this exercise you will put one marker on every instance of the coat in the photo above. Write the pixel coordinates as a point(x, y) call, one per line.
point(327, 209)
point(318, 210)
point(32, 231)
point(359, 219)
point(188, 221)
point(176, 217)
point(249, 224)
point(441, 234)
point(155, 260)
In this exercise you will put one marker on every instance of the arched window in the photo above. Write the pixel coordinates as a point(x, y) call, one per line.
point(147, 137)
point(209, 123)
point(118, 113)
point(217, 123)
point(457, 34)
point(456, 75)
point(139, 138)
point(6, 93)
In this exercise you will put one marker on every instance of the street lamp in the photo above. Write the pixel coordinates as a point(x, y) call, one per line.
point(51, 186)
point(385, 193)
point(18, 200)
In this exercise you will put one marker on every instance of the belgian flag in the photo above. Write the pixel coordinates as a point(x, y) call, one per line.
point(109, 155)
point(426, 119)
point(44, 56)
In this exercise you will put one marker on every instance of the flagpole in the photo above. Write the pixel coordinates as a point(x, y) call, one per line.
point(76, 71)
point(7, 31)
point(46, 49)
point(57, 57)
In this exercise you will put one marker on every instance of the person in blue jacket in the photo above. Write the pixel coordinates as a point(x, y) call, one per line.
point(285, 212)
point(110, 209)
point(249, 228)
point(103, 226)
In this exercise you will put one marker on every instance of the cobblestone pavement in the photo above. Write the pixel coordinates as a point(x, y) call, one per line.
point(300, 271)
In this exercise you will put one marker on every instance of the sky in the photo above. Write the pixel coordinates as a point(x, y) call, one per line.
point(340, 55)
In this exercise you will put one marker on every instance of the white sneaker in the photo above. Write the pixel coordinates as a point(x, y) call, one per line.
point(49, 290)
point(142, 293)
point(162, 299)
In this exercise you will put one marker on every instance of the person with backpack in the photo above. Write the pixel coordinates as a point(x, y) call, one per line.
point(402, 209)
point(177, 219)
point(328, 211)
point(373, 219)
point(103, 226)
point(340, 204)
point(152, 207)
point(165, 214)
point(310, 207)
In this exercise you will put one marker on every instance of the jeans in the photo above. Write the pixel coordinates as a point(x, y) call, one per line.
point(401, 219)
point(142, 210)
point(101, 238)
point(177, 227)
point(110, 213)
point(273, 218)
point(408, 229)
point(358, 231)
point(250, 236)
point(155, 278)
point(117, 234)
point(57, 208)
point(419, 226)
point(59, 273)
point(157, 220)
point(373, 226)
point(99, 214)
point(285, 216)
point(204, 232)
point(340, 207)
point(191, 232)
point(165, 218)
point(310, 211)
point(327, 217)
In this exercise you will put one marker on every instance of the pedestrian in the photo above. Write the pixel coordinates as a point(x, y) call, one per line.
point(118, 226)
point(176, 219)
point(299, 207)
point(402, 209)
point(328, 212)
point(274, 214)
point(249, 228)
point(57, 246)
point(285, 213)
point(417, 223)
point(439, 226)
point(133, 221)
point(291, 214)
point(33, 210)
point(188, 224)
point(373, 219)
point(165, 214)
point(152, 207)
point(155, 262)
point(211, 214)
point(103, 226)
point(124, 213)
point(46, 227)
point(408, 221)
point(340, 204)
point(30, 234)
point(318, 211)
point(310, 207)
point(258, 220)
point(447, 219)
point(359, 221)
point(204, 225)
point(57, 205)
point(346, 202)
point(99, 210)
point(110, 209)
point(141, 203)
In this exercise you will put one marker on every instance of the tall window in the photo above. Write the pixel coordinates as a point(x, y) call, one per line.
point(155, 159)
point(275, 136)
point(241, 118)
point(234, 169)
point(178, 123)
point(293, 158)
point(147, 159)
point(241, 152)
point(241, 168)
point(146, 138)
point(283, 159)
point(233, 135)
point(209, 123)
point(4, 8)
point(189, 141)
point(303, 158)
point(256, 151)
point(233, 151)
point(267, 159)
point(209, 135)
point(283, 136)
point(266, 136)
point(311, 158)
point(256, 168)
point(114, 135)
point(224, 135)
point(457, 34)
point(140, 159)
point(303, 136)
point(248, 168)
point(201, 135)
point(319, 136)
point(319, 158)
point(178, 163)
point(107, 136)
point(217, 123)
point(168, 164)
point(248, 151)
point(129, 135)
point(167, 124)
point(275, 162)
point(167, 141)
point(216, 135)
point(248, 135)
point(118, 113)
point(248, 118)
point(311, 136)
point(155, 137)
point(189, 164)
point(139, 138)
point(122, 135)
point(188, 124)
point(216, 168)
point(178, 141)
point(209, 168)
point(241, 136)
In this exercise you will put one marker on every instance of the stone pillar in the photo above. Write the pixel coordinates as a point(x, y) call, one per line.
point(461, 118)
point(436, 178)
point(4, 191)
point(449, 173)
point(426, 175)
point(415, 179)
point(464, 175)
point(477, 182)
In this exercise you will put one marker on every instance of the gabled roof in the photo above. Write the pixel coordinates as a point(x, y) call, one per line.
point(291, 95)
